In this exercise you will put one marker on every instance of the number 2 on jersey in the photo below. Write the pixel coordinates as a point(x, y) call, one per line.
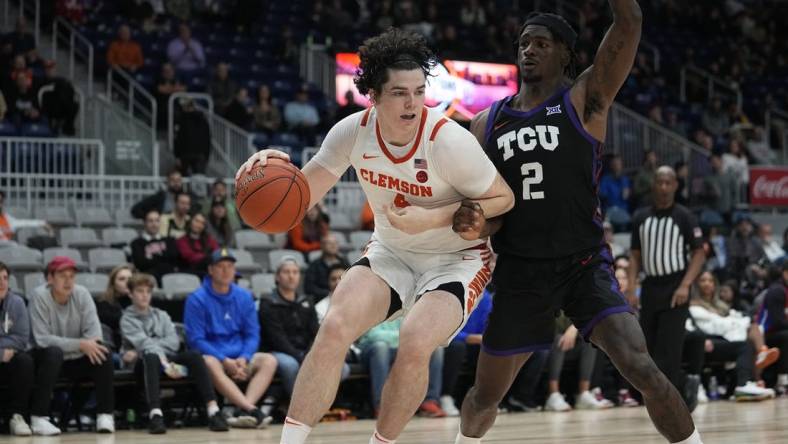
point(532, 179)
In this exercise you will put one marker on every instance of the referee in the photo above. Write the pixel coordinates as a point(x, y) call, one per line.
point(663, 236)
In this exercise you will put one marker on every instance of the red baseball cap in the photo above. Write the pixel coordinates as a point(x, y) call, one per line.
point(61, 263)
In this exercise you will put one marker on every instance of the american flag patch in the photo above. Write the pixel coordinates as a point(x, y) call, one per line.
point(420, 164)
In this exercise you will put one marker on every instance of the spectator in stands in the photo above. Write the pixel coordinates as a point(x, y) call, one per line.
point(615, 248)
point(288, 323)
point(150, 332)
point(222, 88)
point(153, 252)
point(773, 319)
point(735, 161)
point(378, 350)
point(9, 224)
point(350, 106)
point(162, 201)
point(301, 116)
point(166, 85)
point(192, 139)
point(679, 126)
point(184, 52)
point(124, 52)
point(221, 323)
point(195, 247)
point(19, 69)
point(16, 364)
point(240, 110)
point(58, 100)
point(614, 191)
point(3, 106)
point(644, 180)
point(472, 14)
point(110, 305)
point(715, 120)
point(305, 237)
point(175, 224)
point(219, 193)
point(23, 102)
point(744, 250)
point(565, 342)
point(316, 279)
point(219, 226)
point(729, 336)
point(21, 40)
point(682, 176)
point(69, 340)
point(720, 192)
point(771, 249)
point(267, 117)
point(367, 217)
point(758, 148)
point(335, 273)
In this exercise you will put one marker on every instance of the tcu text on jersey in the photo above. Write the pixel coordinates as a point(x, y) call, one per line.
point(528, 138)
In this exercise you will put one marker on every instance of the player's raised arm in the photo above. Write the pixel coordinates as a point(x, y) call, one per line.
point(597, 86)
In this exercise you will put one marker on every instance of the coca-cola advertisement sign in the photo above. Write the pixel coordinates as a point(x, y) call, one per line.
point(769, 186)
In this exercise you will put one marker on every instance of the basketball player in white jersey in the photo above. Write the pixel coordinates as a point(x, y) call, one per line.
point(415, 167)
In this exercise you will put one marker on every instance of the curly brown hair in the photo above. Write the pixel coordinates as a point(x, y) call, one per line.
point(394, 49)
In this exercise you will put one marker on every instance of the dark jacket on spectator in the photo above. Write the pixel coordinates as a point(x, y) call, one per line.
point(154, 255)
point(287, 327)
point(772, 316)
point(156, 202)
point(316, 278)
point(192, 136)
point(109, 314)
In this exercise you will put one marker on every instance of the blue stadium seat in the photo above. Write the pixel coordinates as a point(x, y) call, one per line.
point(8, 129)
point(36, 130)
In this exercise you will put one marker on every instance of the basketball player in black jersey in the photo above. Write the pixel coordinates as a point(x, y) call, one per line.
point(546, 143)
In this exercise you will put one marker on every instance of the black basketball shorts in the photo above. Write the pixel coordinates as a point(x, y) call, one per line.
point(529, 293)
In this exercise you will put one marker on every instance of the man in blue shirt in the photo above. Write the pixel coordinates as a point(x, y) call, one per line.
point(221, 323)
point(614, 191)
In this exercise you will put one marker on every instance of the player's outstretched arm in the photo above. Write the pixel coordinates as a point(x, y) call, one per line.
point(320, 180)
point(596, 88)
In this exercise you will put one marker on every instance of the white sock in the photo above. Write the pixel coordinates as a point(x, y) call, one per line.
point(692, 439)
point(212, 409)
point(154, 412)
point(294, 432)
point(377, 438)
point(462, 439)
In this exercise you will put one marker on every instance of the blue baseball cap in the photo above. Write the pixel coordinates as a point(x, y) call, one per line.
point(222, 254)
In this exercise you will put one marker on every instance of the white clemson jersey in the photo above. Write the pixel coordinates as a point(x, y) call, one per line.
point(443, 164)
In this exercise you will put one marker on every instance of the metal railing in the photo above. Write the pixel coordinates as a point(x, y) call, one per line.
point(137, 101)
point(78, 46)
point(29, 7)
point(656, 55)
point(231, 145)
point(714, 85)
point(318, 68)
point(27, 155)
point(771, 117)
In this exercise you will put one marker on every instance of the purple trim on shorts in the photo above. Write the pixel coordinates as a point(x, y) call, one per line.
point(525, 114)
point(589, 328)
point(517, 351)
point(570, 109)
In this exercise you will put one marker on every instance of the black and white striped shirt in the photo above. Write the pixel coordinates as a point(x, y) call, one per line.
point(665, 239)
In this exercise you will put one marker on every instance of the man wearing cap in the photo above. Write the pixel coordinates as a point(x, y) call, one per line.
point(221, 323)
point(288, 322)
point(68, 342)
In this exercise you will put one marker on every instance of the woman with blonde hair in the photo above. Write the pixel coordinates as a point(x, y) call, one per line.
point(115, 298)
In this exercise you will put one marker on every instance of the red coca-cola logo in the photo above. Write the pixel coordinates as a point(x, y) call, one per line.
point(769, 186)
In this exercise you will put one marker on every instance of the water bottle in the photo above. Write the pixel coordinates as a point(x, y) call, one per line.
point(714, 393)
point(131, 417)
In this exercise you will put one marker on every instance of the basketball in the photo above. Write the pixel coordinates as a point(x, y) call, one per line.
point(272, 198)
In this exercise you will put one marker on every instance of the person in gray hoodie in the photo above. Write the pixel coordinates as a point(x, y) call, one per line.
point(67, 335)
point(16, 364)
point(150, 332)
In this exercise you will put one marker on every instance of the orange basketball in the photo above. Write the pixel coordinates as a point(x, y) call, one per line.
point(272, 198)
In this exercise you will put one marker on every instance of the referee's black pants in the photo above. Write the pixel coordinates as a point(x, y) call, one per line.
point(663, 326)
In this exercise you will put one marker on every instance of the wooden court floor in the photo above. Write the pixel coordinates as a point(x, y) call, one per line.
point(720, 422)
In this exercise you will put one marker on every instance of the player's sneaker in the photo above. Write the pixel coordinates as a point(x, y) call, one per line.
point(702, 397)
point(41, 426)
point(18, 426)
point(625, 399)
point(431, 409)
point(766, 356)
point(448, 406)
point(557, 403)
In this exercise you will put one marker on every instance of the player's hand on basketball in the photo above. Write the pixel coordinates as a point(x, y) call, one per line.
point(680, 296)
point(568, 339)
point(410, 220)
point(468, 220)
point(261, 157)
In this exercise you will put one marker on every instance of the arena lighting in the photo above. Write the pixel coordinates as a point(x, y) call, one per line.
point(459, 88)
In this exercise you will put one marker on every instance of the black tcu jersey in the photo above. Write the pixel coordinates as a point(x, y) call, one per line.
point(552, 165)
